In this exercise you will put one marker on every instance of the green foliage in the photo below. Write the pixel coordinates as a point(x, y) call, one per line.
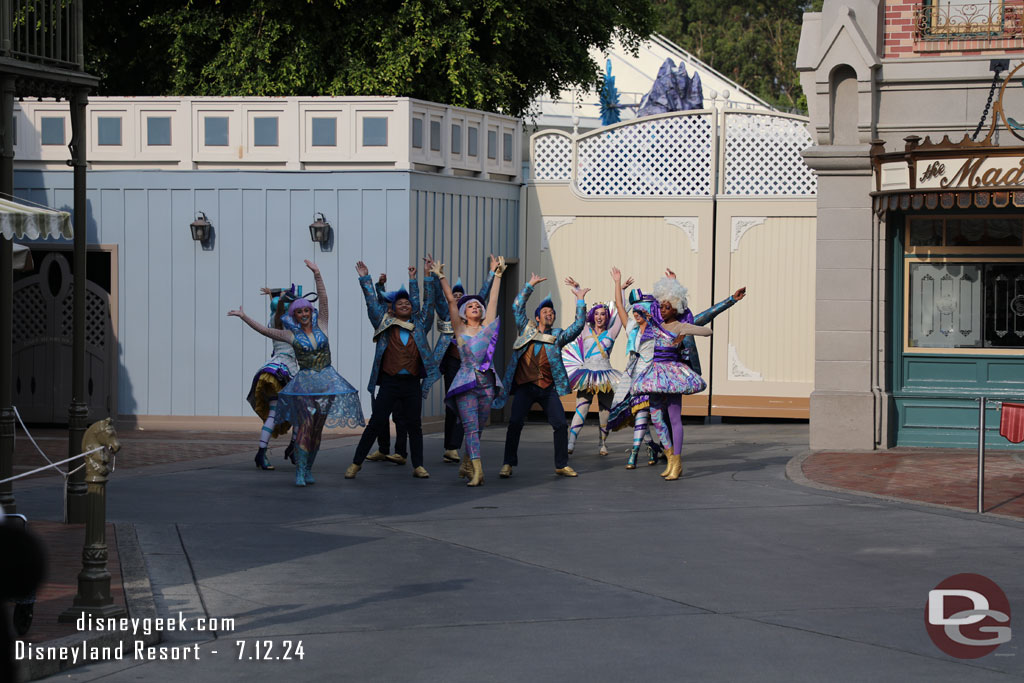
point(753, 42)
point(494, 55)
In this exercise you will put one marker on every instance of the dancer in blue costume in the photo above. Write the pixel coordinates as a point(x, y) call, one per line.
point(536, 373)
point(383, 451)
point(655, 378)
point(472, 388)
point(317, 396)
point(446, 354)
point(403, 364)
point(271, 378)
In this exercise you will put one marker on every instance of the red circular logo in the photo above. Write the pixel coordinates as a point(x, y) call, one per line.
point(967, 616)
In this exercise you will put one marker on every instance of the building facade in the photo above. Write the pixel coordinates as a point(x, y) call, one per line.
point(396, 179)
point(920, 262)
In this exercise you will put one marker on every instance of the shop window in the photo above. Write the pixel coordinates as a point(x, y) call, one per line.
point(961, 19)
point(417, 133)
point(456, 139)
point(325, 131)
point(472, 145)
point(108, 130)
point(264, 131)
point(964, 233)
point(215, 131)
point(52, 130)
point(435, 136)
point(375, 132)
point(158, 131)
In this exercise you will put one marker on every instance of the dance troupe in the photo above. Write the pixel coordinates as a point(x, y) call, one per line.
point(298, 388)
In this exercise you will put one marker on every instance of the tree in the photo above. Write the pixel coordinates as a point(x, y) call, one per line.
point(753, 42)
point(496, 55)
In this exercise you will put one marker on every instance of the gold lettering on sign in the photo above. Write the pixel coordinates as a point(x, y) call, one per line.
point(968, 175)
point(934, 171)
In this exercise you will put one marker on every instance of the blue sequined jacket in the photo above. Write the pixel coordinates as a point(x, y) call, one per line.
point(444, 321)
point(422, 319)
point(689, 355)
point(527, 330)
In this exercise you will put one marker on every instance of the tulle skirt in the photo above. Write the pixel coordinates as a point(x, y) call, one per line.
point(594, 381)
point(323, 395)
point(668, 377)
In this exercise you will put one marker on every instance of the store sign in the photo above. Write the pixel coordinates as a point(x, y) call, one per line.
point(971, 173)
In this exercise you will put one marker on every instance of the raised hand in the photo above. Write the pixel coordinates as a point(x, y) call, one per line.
point(238, 312)
point(536, 279)
point(739, 293)
point(616, 274)
point(383, 279)
point(412, 272)
point(313, 267)
point(265, 291)
point(494, 262)
point(669, 273)
point(578, 292)
point(437, 268)
point(428, 264)
point(628, 283)
point(361, 269)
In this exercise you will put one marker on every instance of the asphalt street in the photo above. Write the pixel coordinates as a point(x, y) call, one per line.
point(731, 573)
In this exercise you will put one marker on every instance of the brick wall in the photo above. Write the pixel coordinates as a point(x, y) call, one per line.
point(901, 37)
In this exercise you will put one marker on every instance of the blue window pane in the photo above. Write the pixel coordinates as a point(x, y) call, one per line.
point(325, 132)
point(158, 130)
point(417, 133)
point(456, 139)
point(492, 144)
point(375, 132)
point(506, 146)
point(52, 130)
point(108, 130)
point(435, 136)
point(264, 131)
point(215, 129)
point(472, 143)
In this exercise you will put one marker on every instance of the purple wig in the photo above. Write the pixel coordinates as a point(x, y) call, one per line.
point(593, 310)
point(297, 304)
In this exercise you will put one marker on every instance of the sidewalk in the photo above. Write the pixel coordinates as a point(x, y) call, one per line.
point(937, 476)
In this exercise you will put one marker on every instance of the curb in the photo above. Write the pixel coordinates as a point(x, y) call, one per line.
point(795, 473)
point(138, 597)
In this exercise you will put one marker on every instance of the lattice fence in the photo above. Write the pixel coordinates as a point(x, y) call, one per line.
point(762, 156)
point(664, 157)
point(552, 157)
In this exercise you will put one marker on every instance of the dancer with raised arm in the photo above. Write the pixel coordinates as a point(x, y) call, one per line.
point(317, 396)
point(271, 378)
point(590, 370)
point(475, 327)
point(446, 353)
point(403, 365)
point(383, 451)
point(536, 373)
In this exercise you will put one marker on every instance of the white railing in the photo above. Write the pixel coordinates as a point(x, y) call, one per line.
point(286, 133)
point(684, 154)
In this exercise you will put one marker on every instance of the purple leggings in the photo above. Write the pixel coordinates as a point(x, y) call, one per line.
point(474, 408)
point(667, 415)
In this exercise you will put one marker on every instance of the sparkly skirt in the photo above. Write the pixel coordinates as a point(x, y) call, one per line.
point(268, 382)
point(594, 381)
point(668, 377)
point(320, 393)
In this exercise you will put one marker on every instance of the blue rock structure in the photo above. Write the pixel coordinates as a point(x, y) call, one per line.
point(673, 90)
point(609, 97)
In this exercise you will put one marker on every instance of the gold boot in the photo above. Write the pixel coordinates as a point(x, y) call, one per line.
point(478, 474)
point(451, 456)
point(465, 469)
point(352, 470)
point(676, 467)
point(506, 471)
point(668, 467)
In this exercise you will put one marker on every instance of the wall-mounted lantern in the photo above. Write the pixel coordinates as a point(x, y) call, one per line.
point(319, 229)
point(201, 228)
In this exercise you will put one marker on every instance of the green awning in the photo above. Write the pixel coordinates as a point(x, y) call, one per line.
point(19, 220)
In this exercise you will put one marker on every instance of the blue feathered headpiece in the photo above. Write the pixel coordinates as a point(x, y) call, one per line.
point(392, 297)
point(458, 286)
point(545, 303)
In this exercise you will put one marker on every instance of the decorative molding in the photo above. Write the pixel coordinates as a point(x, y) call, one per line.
point(689, 225)
point(552, 224)
point(740, 372)
point(740, 225)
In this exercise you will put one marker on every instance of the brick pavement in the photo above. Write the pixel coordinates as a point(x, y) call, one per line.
point(63, 543)
point(939, 476)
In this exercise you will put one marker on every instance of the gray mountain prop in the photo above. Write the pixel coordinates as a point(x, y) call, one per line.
point(673, 90)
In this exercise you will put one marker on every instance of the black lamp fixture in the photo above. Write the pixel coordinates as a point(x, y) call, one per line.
point(201, 228)
point(319, 229)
